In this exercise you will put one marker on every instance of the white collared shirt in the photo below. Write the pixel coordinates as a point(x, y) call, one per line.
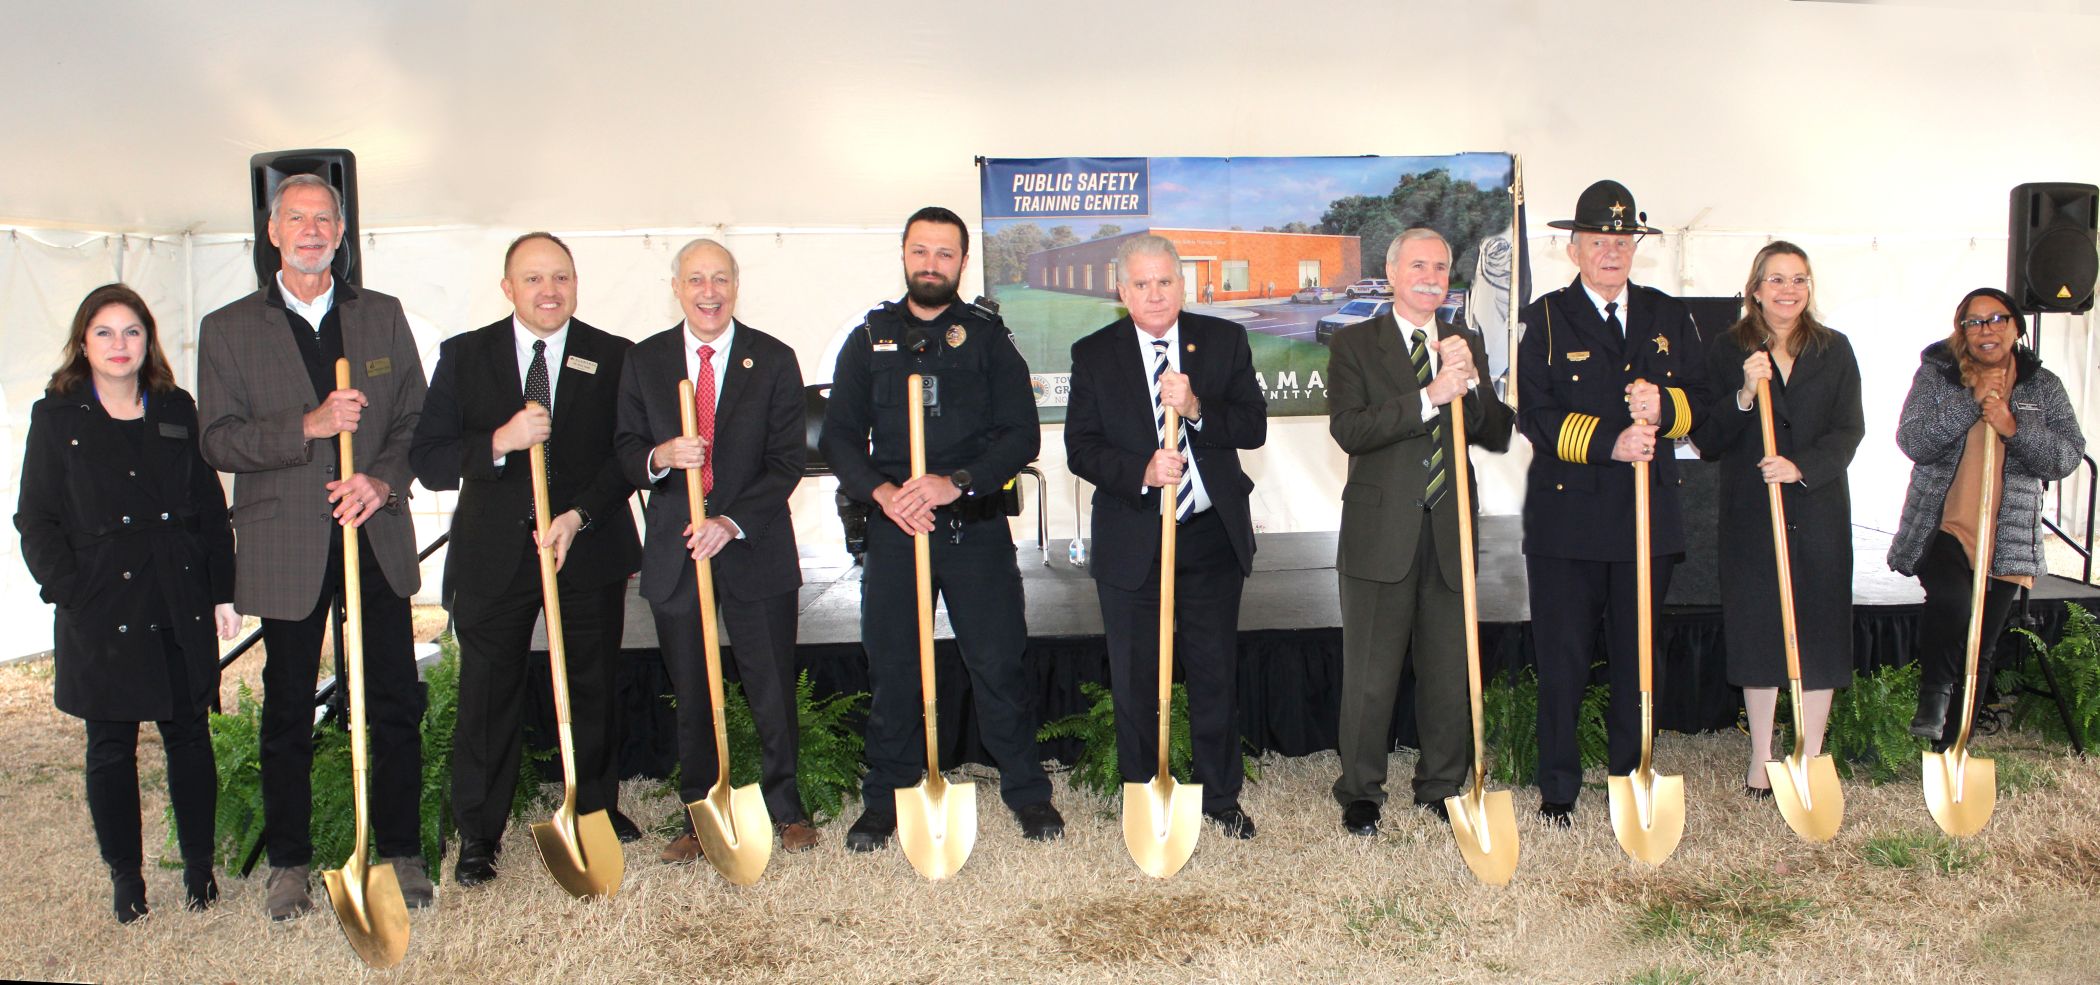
point(1598, 301)
point(522, 340)
point(718, 361)
point(313, 311)
point(1436, 359)
point(1197, 494)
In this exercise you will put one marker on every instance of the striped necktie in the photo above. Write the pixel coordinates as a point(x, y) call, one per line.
point(537, 391)
point(1185, 494)
point(1439, 479)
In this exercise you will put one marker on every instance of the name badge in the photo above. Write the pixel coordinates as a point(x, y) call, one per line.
point(380, 366)
point(582, 364)
point(885, 347)
point(174, 430)
point(2019, 406)
point(1576, 357)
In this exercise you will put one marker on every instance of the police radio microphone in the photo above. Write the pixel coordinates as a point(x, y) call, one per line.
point(917, 340)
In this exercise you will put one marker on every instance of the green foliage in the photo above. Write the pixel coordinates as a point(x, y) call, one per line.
point(1869, 733)
point(1665, 976)
point(1096, 770)
point(2076, 659)
point(1744, 912)
point(1510, 714)
point(827, 752)
point(1911, 850)
point(1463, 212)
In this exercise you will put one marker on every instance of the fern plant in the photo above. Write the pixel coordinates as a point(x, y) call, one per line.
point(2076, 659)
point(827, 751)
point(1096, 770)
point(1510, 719)
point(1869, 732)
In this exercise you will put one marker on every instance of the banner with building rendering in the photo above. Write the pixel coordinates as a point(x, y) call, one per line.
point(1290, 247)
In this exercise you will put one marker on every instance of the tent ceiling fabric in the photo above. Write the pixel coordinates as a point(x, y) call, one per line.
point(139, 115)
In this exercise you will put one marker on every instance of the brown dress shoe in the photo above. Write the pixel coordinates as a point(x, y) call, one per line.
point(797, 836)
point(685, 849)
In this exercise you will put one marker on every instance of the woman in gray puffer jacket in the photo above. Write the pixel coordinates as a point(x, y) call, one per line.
point(1976, 378)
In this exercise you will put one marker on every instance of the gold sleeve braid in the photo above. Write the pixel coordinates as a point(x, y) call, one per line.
point(1576, 430)
point(1681, 416)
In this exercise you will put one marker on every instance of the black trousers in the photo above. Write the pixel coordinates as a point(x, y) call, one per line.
point(193, 779)
point(761, 656)
point(1570, 601)
point(1385, 627)
point(496, 668)
point(980, 584)
point(1207, 584)
point(393, 714)
point(1943, 628)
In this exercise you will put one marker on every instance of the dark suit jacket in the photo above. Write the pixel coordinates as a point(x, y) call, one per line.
point(1374, 412)
point(475, 391)
point(252, 394)
point(758, 451)
point(1110, 438)
point(1572, 372)
point(107, 529)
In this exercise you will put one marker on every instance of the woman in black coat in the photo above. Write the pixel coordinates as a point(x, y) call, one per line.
point(1817, 423)
point(124, 527)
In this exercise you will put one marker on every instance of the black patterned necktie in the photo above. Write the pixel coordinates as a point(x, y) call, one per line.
point(536, 390)
point(1185, 493)
point(1611, 319)
point(1439, 479)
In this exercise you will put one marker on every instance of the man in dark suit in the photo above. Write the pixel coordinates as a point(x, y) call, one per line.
point(751, 444)
point(1122, 378)
point(1390, 384)
point(1608, 373)
point(271, 412)
point(540, 375)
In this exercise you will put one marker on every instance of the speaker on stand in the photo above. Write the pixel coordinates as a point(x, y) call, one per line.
point(336, 166)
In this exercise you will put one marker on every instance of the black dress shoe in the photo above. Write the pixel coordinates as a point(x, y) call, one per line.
point(128, 894)
point(1040, 821)
point(871, 832)
point(200, 889)
point(476, 863)
point(1556, 813)
point(1931, 720)
point(1361, 818)
point(1234, 822)
point(623, 828)
point(1757, 793)
point(1435, 807)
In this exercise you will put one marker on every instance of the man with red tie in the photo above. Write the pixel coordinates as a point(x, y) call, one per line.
point(748, 408)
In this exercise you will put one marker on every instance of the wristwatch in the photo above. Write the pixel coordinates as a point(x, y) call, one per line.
point(961, 478)
point(585, 516)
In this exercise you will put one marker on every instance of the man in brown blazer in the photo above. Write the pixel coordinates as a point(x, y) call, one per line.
point(1391, 382)
point(271, 414)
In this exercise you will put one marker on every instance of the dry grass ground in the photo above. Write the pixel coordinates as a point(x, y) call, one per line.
point(1742, 900)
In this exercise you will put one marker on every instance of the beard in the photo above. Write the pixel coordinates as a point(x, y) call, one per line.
point(931, 294)
point(291, 259)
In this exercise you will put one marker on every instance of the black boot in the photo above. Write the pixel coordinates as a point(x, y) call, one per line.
point(1931, 719)
point(200, 889)
point(129, 890)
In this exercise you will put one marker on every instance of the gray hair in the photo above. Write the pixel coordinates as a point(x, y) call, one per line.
point(303, 180)
point(1392, 250)
point(1150, 245)
point(678, 262)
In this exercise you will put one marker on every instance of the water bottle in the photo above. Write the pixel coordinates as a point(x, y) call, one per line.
point(1075, 552)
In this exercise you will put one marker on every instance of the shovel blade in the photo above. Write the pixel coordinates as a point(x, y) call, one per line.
point(1647, 814)
point(368, 906)
point(1161, 822)
point(1485, 825)
point(1960, 790)
point(581, 853)
point(735, 831)
point(937, 826)
point(1809, 795)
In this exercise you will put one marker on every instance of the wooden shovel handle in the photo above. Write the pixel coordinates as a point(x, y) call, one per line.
point(1461, 466)
point(1643, 575)
point(1980, 579)
point(550, 600)
point(353, 641)
point(922, 578)
point(1168, 508)
point(1779, 539)
point(704, 577)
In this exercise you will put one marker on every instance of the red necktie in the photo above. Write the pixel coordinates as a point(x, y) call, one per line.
point(704, 416)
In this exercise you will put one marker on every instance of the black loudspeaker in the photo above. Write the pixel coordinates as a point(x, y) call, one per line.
point(337, 167)
point(2051, 262)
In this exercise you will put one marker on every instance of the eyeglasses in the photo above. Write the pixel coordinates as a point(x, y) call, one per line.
point(1992, 322)
point(1777, 281)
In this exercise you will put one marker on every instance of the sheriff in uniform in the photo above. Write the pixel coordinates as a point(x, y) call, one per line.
point(981, 429)
point(1609, 373)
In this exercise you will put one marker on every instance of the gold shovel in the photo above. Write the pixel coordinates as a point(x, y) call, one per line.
point(367, 898)
point(1162, 819)
point(936, 820)
point(1805, 788)
point(1960, 789)
point(1647, 810)
point(734, 828)
point(581, 853)
point(1484, 823)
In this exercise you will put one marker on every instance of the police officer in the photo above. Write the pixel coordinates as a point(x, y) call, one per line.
point(1608, 374)
point(981, 429)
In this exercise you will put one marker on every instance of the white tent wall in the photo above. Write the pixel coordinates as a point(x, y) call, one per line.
point(1882, 137)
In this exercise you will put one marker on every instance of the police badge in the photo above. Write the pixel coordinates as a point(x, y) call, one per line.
point(956, 336)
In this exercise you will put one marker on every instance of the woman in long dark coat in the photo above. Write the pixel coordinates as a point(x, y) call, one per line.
point(1818, 424)
point(124, 527)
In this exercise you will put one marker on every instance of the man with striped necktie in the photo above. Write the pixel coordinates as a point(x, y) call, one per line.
point(1391, 382)
point(1124, 377)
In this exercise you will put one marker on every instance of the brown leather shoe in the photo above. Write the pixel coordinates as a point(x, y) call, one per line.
point(797, 836)
point(685, 849)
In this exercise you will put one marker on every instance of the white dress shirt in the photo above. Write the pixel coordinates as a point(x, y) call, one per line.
point(313, 311)
point(522, 339)
point(1199, 496)
point(1436, 358)
point(1599, 301)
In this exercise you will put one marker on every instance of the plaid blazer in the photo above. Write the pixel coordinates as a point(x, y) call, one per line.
point(253, 392)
